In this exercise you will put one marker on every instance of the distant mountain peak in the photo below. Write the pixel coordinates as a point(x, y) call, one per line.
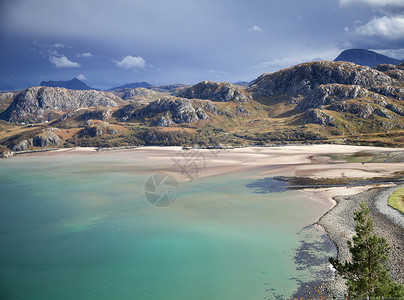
point(365, 57)
point(133, 85)
point(73, 84)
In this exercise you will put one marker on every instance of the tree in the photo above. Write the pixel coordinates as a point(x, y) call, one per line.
point(367, 274)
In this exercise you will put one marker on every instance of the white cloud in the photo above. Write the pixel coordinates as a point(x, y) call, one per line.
point(256, 28)
point(58, 45)
point(81, 77)
point(388, 7)
point(131, 62)
point(386, 28)
point(372, 3)
point(85, 55)
point(63, 62)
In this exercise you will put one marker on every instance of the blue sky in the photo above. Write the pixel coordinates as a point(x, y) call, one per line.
point(109, 43)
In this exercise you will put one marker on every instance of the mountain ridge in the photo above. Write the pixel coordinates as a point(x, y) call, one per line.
point(366, 57)
point(73, 84)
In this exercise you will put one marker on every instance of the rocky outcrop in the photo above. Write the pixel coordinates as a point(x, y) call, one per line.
point(46, 139)
point(396, 92)
point(396, 72)
point(181, 110)
point(164, 112)
point(317, 116)
point(329, 93)
point(139, 93)
point(215, 91)
point(33, 103)
point(300, 80)
point(361, 109)
point(82, 114)
point(97, 130)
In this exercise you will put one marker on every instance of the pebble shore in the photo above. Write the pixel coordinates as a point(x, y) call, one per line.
point(388, 223)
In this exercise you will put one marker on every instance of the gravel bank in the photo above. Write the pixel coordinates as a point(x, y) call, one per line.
point(388, 223)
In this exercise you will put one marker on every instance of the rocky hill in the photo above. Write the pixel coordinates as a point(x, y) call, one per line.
point(312, 102)
point(300, 80)
point(215, 91)
point(44, 103)
point(366, 58)
point(74, 84)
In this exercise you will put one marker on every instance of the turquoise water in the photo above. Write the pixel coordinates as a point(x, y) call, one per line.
point(80, 228)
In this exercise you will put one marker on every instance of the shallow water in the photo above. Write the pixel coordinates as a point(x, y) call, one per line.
point(81, 228)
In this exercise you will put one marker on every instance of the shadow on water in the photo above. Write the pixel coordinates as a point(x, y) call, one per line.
point(268, 185)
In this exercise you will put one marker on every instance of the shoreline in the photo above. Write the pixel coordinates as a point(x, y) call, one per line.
point(339, 224)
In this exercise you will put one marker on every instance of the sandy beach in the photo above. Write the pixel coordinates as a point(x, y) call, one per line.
point(338, 203)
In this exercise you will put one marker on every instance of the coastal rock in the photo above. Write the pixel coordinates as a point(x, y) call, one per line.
point(34, 102)
point(215, 91)
point(46, 139)
point(329, 93)
point(301, 79)
point(21, 146)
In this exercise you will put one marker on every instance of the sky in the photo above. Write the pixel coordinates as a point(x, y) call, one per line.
point(109, 43)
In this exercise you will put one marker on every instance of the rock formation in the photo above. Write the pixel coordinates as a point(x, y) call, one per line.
point(35, 102)
point(215, 91)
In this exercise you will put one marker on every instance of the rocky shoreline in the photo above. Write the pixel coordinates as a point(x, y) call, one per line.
point(388, 223)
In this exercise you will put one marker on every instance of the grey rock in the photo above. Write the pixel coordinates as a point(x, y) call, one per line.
point(46, 140)
point(92, 131)
point(385, 67)
point(329, 93)
point(21, 146)
point(202, 115)
point(396, 92)
point(318, 117)
point(35, 101)
point(164, 121)
point(363, 110)
point(384, 113)
point(396, 109)
point(139, 92)
point(301, 79)
point(215, 91)
point(181, 110)
point(242, 110)
point(82, 114)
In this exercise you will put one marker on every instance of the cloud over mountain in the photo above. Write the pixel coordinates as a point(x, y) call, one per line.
point(381, 32)
point(131, 62)
point(63, 62)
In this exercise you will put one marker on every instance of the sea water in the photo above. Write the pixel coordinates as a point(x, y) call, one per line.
point(80, 227)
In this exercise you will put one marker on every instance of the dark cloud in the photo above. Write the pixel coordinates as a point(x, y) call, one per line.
point(175, 41)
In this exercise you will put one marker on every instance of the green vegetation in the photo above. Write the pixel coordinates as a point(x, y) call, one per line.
point(367, 274)
point(396, 200)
